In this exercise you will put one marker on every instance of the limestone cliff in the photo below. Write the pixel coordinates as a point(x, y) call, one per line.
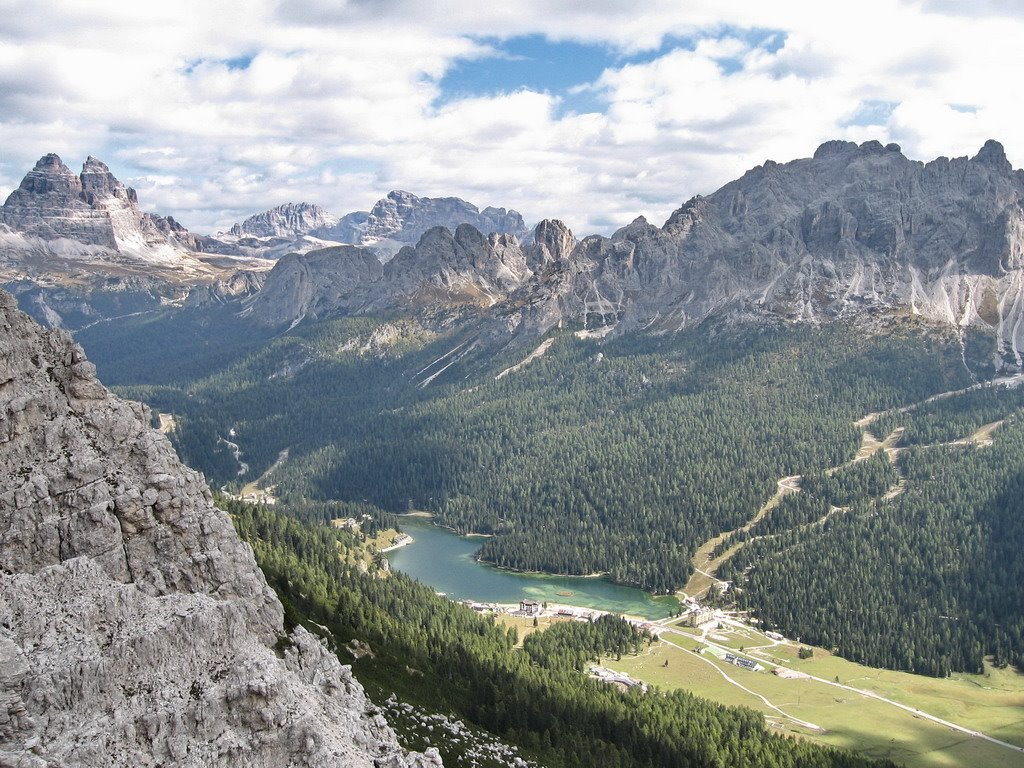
point(401, 218)
point(92, 209)
point(135, 627)
point(288, 220)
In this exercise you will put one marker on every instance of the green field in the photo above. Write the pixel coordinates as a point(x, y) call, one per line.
point(992, 703)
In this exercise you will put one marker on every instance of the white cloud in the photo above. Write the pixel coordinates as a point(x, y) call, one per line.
point(337, 103)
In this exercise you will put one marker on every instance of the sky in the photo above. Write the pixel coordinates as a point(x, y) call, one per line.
point(593, 113)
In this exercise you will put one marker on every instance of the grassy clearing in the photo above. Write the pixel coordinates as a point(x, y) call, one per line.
point(732, 637)
point(524, 626)
point(699, 583)
point(983, 434)
point(992, 703)
point(868, 447)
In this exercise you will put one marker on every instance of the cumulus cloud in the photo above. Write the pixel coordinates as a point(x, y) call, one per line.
point(215, 111)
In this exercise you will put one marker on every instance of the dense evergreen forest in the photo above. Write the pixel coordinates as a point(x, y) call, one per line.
point(619, 457)
point(920, 570)
point(446, 656)
point(624, 456)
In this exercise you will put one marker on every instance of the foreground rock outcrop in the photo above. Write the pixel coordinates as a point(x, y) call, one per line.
point(135, 627)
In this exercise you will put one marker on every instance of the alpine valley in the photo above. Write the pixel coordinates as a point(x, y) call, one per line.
point(794, 406)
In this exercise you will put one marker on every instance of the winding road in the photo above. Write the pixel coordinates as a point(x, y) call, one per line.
point(868, 694)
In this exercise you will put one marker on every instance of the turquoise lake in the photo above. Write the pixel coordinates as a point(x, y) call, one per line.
point(444, 561)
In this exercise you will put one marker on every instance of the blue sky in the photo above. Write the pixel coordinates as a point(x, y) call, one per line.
point(593, 113)
point(565, 67)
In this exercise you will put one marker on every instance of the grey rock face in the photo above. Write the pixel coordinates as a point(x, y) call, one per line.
point(238, 286)
point(444, 270)
point(135, 627)
point(852, 231)
point(50, 204)
point(402, 218)
point(92, 209)
point(288, 220)
point(464, 267)
point(314, 284)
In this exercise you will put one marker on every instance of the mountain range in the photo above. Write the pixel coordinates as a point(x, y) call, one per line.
point(852, 232)
point(397, 220)
point(78, 248)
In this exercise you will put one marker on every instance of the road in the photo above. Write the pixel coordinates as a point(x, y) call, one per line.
point(850, 688)
point(767, 703)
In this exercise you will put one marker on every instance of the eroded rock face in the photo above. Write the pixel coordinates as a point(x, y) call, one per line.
point(314, 284)
point(445, 270)
point(135, 627)
point(852, 231)
point(402, 218)
point(91, 209)
point(463, 267)
point(288, 220)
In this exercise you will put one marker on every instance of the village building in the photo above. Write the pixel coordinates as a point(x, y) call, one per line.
point(699, 616)
point(529, 607)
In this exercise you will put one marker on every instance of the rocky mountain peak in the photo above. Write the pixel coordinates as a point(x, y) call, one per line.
point(400, 218)
point(135, 627)
point(552, 241)
point(93, 209)
point(993, 155)
point(94, 165)
point(288, 220)
point(51, 161)
point(48, 176)
point(639, 227)
point(98, 182)
point(834, 147)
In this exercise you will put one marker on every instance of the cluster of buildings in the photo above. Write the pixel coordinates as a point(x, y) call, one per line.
point(534, 608)
point(258, 497)
point(349, 523)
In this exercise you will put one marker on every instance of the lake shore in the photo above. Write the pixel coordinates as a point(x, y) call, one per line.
point(447, 563)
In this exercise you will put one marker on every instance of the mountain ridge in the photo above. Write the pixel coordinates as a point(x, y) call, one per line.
point(850, 232)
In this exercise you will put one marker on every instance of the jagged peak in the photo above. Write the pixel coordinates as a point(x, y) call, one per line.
point(555, 234)
point(94, 165)
point(547, 227)
point(993, 154)
point(51, 161)
point(685, 216)
point(285, 219)
point(834, 147)
point(434, 234)
point(637, 227)
point(466, 233)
